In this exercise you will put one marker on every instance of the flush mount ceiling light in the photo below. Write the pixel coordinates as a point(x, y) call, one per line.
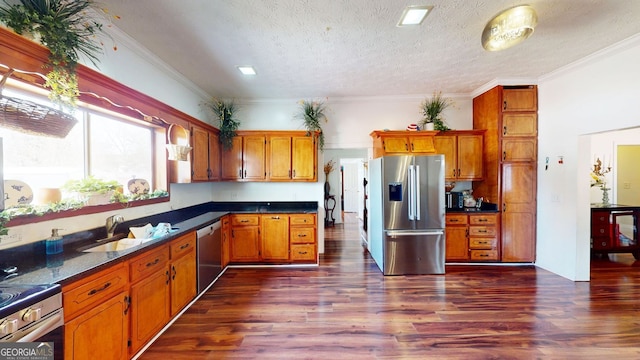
point(509, 28)
point(414, 15)
point(247, 70)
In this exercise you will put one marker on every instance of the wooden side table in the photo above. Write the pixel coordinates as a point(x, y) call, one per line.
point(329, 206)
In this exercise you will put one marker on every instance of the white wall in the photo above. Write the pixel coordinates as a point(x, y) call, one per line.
point(598, 93)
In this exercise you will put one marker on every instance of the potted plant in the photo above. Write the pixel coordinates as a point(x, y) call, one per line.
point(312, 114)
point(92, 191)
point(224, 112)
point(65, 28)
point(432, 111)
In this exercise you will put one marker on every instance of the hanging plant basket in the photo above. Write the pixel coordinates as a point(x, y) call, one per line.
point(178, 146)
point(27, 116)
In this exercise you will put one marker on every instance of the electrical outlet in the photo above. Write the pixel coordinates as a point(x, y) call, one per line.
point(234, 195)
point(627, 185)
point(11, 238)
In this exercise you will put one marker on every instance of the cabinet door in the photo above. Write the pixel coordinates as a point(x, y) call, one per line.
point(245, 244)
point(395, 144)
point(518, 223)
point(254, 160)
point(225, 241)
point(101, 333)
point(214, 157)
point(523, 149)
point(303, 163)
point(279, 158)
point(200, 154)
point(520, 99)
point(275, 237)
point(456, 248)
point(470, 157)
point(519, 125)
point(150, 308)
point(183, 281)
point(446, 145)
point(422, 144)
point(231, 161)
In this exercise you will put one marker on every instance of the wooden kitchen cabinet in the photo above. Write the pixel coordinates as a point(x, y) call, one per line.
point(302, 232)
point(508, 114)
point(183, 271)
point(205, 161)
point(245, 238)
point(292, 156)
point(456, 243)
point(403, 142)
point(462, 152)
point(225, 240)
point(246, 160)
point(150, 296)
point(483, 237)
point(96, 312)
point(275, 237)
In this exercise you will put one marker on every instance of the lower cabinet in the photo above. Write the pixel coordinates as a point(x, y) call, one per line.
point(96, 311)
point(472, 237)
point(183, 272)
point(272, 238)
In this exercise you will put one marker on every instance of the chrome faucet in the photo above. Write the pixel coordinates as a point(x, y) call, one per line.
point(112, 222)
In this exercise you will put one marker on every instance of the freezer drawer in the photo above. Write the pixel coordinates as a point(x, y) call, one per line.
point(411, 252)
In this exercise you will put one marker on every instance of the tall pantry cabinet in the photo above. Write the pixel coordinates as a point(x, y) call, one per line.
point(509, 116)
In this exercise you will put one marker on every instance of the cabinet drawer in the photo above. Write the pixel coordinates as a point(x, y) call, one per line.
point(147, 264)
point(303, 252)
point(302, 235)
point(245, 220)
point(483, 243)
point(600, 217)
point(85, 294)
point(486, 255)
point(601, 230)
point(183, 245)
point(482, 231)
point(600, 243)
point(456, 219)
point(482, 219)
point(302, 219)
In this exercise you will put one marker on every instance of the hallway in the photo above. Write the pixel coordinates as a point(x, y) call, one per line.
point(345, 309)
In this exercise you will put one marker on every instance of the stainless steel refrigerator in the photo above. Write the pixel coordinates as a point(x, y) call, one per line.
point(407, 208)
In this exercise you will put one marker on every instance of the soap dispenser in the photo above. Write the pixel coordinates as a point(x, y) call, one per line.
point(53, 244)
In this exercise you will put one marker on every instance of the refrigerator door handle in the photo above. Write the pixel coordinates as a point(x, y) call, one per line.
point(413, 233)
point(411, 192)
point(416, 184)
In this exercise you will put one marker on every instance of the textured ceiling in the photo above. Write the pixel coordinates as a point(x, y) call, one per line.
point(332, 48)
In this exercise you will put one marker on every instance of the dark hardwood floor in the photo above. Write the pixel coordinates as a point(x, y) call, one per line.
point(345, 309)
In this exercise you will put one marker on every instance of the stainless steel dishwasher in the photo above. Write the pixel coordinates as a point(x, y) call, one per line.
point(209, 254)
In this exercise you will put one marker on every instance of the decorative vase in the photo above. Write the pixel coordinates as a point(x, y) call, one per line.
point(605, 195)
point(428, 126)
point(327, 188)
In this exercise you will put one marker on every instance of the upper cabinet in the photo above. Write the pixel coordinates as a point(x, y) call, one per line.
point(245, 161)
point(205, 156)
point(519, 99)
point(292, 157)
point(462, 152)
point(402, 142)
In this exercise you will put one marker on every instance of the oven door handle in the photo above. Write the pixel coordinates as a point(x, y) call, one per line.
point(51, 323)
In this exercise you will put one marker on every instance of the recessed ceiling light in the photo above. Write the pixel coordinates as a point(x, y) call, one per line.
point(247, 70)
point(414, 15)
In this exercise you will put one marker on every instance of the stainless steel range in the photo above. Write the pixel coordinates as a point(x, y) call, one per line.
point(32, 313)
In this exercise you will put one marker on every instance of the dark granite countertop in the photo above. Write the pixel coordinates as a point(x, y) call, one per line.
point(470, 211)
point(35, 267)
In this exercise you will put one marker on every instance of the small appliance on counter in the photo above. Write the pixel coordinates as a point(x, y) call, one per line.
point(454, 200)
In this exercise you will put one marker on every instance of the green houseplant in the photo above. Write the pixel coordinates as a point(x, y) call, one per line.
point(92, 191)
point(66, 29)
point(312, 114)
point(432, 109)
point(224, 111)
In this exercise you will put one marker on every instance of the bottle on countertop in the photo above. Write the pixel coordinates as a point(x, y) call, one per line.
point(53, 244)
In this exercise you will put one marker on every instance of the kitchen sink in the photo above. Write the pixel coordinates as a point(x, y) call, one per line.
point(120, 242)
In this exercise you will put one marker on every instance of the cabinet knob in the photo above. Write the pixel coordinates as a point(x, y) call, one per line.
point(504, 130)
point(504, 105)
point(504, 155)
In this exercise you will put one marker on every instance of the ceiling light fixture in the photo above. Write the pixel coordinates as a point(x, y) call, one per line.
point(414, 15)
point(247, 70)
point(509, 28)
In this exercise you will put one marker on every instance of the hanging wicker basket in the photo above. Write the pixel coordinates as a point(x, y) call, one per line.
point(178, 146)
point(29, 117)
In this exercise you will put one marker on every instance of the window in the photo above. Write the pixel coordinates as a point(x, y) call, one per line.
point(102, 145)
